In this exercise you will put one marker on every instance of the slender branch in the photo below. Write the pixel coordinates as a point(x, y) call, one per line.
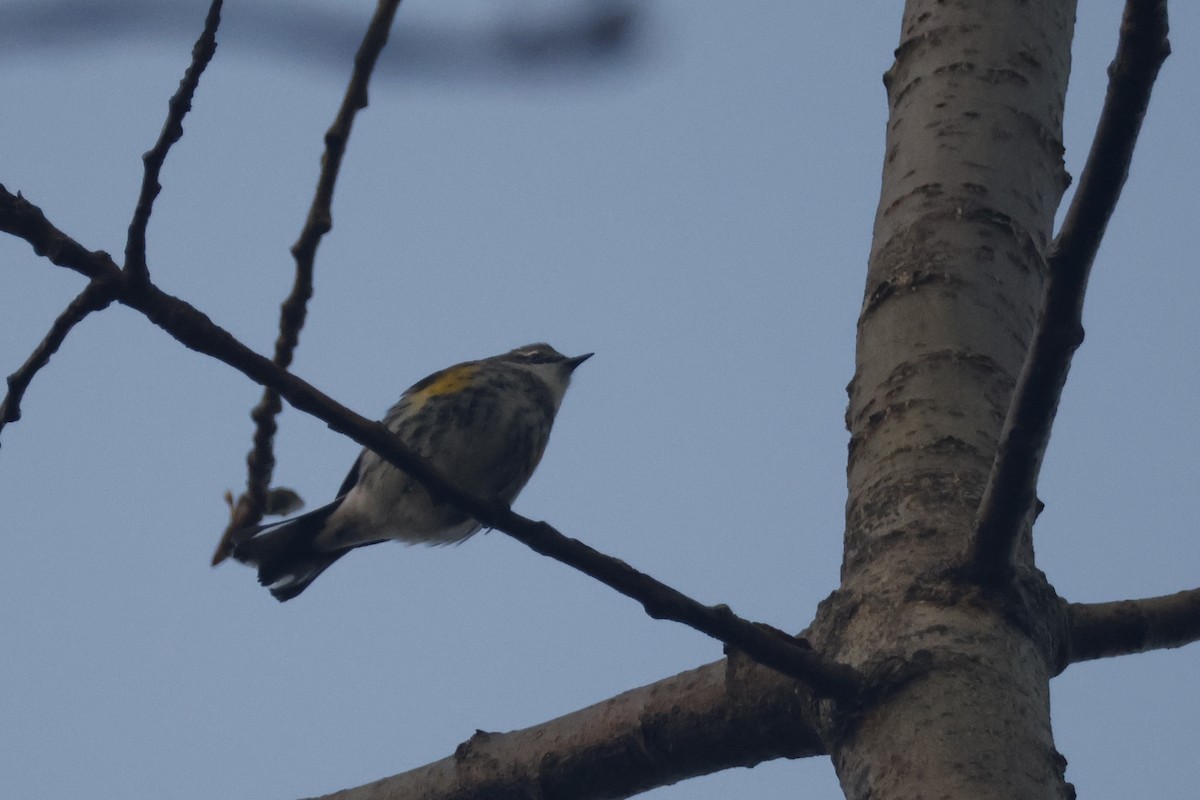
point(698, 722)
point(1103, 630)
point(793, 657)
point(260, 461)
point(96, 296)
point(1012, 485)
point(172, 132)
point(24, 220)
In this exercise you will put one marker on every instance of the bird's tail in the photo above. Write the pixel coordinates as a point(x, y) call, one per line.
point(286, 553)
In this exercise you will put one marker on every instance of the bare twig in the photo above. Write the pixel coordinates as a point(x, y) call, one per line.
point(24, 220)
point(194, 330)
point(1012, 485)
point(1103, 630)
point(172, 131)
point(260, 461)
point(96, 296)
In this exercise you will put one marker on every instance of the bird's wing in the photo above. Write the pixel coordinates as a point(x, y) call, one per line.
point(351, 478)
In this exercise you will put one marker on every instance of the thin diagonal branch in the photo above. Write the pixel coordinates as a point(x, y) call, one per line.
point(1012, 485)
point(172, 131)
point(791, 656)
point(96, 296)
point(260, 461)
point(1103, 630)
point(24, 220)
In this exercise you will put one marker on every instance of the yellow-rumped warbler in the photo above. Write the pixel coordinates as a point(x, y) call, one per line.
point(484, 424)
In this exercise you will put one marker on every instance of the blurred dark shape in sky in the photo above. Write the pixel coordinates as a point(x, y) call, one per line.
point(572, 38)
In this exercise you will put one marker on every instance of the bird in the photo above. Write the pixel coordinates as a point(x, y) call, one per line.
point(483, 424)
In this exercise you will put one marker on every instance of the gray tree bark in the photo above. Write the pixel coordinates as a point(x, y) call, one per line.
point(972, 176)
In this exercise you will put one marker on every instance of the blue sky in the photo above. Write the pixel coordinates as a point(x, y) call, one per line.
point(697, 214)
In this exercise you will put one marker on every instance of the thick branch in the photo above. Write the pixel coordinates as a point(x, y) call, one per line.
point(260, 461)
point(196, 331)
point(1012, 485)
point(695, 723)
point(96, 296)
point(172, 131)
point(1103, 630)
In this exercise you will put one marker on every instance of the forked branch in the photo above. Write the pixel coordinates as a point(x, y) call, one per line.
point(1012, 485)
point(100, 293)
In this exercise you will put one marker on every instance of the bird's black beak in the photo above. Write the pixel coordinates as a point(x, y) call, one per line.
point(572, 363)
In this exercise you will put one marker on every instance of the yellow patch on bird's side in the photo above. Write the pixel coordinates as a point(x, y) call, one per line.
point(448, 381)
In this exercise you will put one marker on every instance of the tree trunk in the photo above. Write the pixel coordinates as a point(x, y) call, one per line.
point(973, 173)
